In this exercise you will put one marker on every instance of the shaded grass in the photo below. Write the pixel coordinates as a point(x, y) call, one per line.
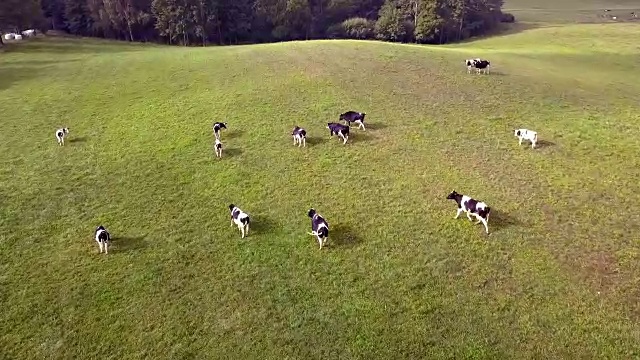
point(400, 278)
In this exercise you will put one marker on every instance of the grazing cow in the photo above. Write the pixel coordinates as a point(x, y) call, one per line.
point(352, 116)
point(216, 128)
point(319, 227)
point(17, 37)
point(28, 33)
point(9, 36)
point(339, 129)
point(103, 238)
point(218, 148)
point(240, 218)
point(472, 207)
point(299, 136)
point(60, 135)
point(524, 134)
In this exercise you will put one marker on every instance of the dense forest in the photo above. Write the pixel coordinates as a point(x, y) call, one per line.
point(202, 22)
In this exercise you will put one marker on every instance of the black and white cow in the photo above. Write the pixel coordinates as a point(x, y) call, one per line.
point(478, 64)
point(103, 239)
point(524, 134)
point(473, 207)
point(299, 136)
point(482, 65)
point(319, 227)
point(470, 64)
point(60, 135)
point(352, 116)
point(339, 129)
point(240, 218)
point(218, 148)
point(216, 128)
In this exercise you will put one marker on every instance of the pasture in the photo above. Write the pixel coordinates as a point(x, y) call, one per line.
point(400, 278)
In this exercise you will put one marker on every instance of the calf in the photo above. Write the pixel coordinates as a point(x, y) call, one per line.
point(299, 136)
point(524, 134)
point(240, 218)
point(217, 127)
point(339, 129)
point(218, 148)
point(473, 207)
point(60, 134)
point(103, 238)
point(352, 116)
point(319, 227)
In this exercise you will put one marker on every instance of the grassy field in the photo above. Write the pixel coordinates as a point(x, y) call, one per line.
point(573, 11)
point(557, 278)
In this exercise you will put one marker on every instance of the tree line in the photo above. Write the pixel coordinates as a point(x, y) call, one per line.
point(203, 22)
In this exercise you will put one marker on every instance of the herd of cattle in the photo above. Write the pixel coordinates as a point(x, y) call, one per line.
point(19, 36)
point(319, 226)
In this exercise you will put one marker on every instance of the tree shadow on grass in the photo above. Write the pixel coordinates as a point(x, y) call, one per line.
point(76, 45)
point(343, 235)
point(129, 243)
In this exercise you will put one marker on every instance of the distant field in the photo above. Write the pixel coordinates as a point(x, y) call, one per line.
point(568, 11)
point(557, 278)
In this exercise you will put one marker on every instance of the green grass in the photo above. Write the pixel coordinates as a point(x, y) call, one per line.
point(557, 278)
point(572, 11)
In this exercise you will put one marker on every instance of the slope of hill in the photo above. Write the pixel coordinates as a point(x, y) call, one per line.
point(401, 278)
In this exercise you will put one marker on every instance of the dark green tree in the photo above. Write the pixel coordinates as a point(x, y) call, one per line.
point(77, 17)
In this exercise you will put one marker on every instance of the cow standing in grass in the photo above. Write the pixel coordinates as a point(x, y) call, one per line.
point(352, 116)
point(524, 134)
point(240, 219)
point(339, 129)
point(217, 127)
point(473, 207)
point(299, 136)
point(217, 147)
point(319, 227)
point(60, 135)
point(103, 238)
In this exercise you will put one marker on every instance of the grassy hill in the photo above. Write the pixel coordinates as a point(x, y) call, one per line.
point(557, 278)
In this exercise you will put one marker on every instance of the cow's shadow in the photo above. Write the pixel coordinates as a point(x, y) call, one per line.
point(375, 126)
point(261, 224)
point(232, 134)
point(231, 152)
point(77, 139)
point(541, 144)
point(129, 243)
point(343, 235)
point(499, 219)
